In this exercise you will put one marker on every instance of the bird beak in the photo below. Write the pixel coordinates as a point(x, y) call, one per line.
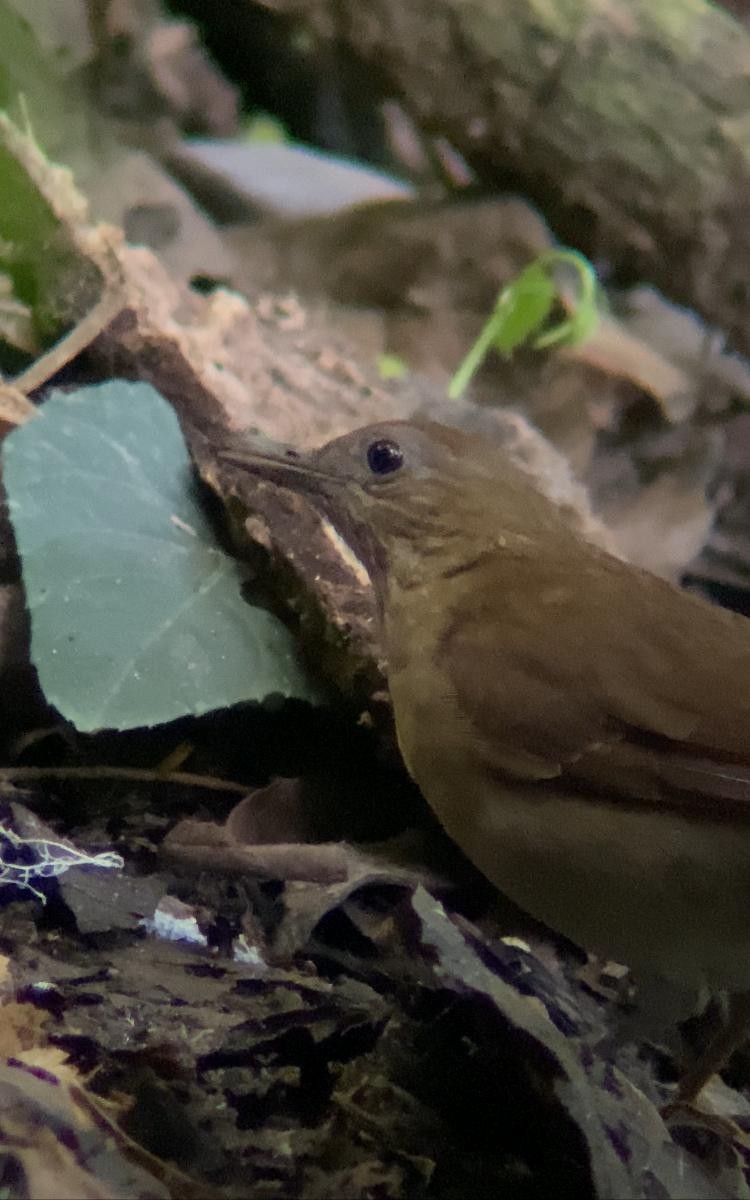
point(287, 468)
point(330, 494)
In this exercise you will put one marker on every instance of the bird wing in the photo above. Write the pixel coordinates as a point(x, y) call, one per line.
point(587, 667)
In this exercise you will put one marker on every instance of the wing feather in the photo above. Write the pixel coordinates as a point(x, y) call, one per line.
point(586, 680)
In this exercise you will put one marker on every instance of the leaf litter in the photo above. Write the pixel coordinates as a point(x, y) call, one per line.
point(290, 1009)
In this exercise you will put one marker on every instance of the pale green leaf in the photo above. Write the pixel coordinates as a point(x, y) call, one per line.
point(136, 614)
point(523, 307)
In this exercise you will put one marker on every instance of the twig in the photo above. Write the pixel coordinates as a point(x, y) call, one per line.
point(135, 774)
point(68, 347)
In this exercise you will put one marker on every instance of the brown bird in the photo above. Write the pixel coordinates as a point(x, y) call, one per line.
point(580, 727)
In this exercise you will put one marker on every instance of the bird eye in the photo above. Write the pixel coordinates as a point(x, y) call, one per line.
point(384, 456)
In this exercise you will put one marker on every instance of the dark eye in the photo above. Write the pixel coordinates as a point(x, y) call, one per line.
point(384, 456)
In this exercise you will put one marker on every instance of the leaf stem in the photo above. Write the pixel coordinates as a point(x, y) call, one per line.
point(473, 360)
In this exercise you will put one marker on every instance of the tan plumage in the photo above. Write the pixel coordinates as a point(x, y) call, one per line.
point(580, 727)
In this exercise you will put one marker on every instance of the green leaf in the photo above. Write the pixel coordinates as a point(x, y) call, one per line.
point(43, 88)
point(38, 251)
point(523, 307)
point(136, 614)
point(262, 127)
point(45, 118)
point(390, 366)
point(570, 332)
point(582, 321)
